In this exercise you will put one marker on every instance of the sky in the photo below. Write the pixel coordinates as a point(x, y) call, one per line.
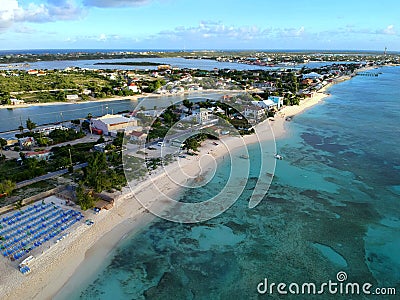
point(200, 24)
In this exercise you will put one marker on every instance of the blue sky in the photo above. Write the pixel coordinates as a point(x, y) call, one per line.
point(206, 24)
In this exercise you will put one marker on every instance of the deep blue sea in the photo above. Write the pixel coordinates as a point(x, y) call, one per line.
point(334, 205)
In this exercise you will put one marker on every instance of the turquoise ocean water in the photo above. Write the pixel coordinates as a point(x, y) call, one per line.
point(334, 205)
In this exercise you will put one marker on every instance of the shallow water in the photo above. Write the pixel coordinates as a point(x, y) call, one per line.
point(337, 187)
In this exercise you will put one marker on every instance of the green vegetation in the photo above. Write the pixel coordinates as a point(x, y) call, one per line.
point(54, 85)
point(7, 187)
point(153, 85)
point(84, 198)
point(30, 125)
point(191, 143)
point(62, 136)
point(102, 174)
point(55, 137)
point(3, 143)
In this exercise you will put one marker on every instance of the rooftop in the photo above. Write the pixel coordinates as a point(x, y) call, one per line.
point(115, 119)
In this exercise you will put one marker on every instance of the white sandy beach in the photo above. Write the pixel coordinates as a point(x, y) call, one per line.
point(69, 258)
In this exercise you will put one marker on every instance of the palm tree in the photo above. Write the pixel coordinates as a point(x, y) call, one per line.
point(21, 128)
point(3, 143)
point(30, 125)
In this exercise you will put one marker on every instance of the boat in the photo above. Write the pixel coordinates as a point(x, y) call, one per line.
point(244, 156)
point(279, 157)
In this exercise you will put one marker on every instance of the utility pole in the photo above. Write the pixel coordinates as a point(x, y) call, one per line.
point(70, 157)
point(62, 120)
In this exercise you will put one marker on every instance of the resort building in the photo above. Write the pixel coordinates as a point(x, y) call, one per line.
point(265, 104)
point(254, 112)
point(201, 115)
point(113, 123)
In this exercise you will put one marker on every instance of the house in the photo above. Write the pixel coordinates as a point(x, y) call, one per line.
point(150, 113)
point(33, 72)
point(201, 115)
point(26, 143)
point(277, 100)
point(87, 92)
point(40, 155)
point(254, 112)
point(14, 101)
point(133, 87)
point(111, 123)
point(307, 81)
point(104, 201)
point(264, 85)
point(138, 136)
point(101, 147)
point(164, 67)
point(307, 93)
point(266, 104)
point(72, 97)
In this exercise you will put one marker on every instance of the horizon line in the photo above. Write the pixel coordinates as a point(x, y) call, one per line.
point(202, 50)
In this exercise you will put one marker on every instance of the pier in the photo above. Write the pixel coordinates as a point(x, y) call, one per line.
point(368, 74)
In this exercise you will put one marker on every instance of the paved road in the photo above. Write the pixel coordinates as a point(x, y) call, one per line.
point(48, 176)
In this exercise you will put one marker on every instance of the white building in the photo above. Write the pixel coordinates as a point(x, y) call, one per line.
point(72, 97)
point(265, 104)
point(138, 136)
point(113, 123)
point(133, 87)
point(277, 100)
point(202, 115)
point(15, 101)
point(312, 75)
point(254, 112)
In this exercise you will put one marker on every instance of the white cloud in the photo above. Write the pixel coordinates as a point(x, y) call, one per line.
point(389, 30)
point(207, 29)
point(12, 12)
point(102, 38)
point(50, 11)
point(217, 30)
point(7, 13)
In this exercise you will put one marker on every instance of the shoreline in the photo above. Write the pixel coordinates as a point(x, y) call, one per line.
point(118, 98)
point(58, 271)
